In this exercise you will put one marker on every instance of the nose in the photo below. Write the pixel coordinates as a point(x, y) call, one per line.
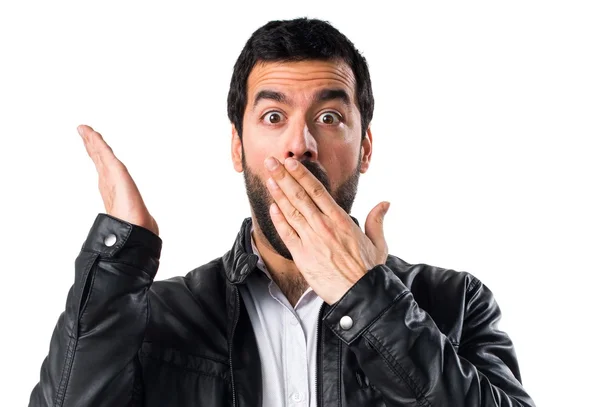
point(300, 144)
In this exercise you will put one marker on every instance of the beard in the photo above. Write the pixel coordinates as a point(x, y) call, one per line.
point(260, 199)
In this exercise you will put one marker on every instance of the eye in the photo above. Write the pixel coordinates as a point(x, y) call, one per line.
point(272, 117)
point(329, 118)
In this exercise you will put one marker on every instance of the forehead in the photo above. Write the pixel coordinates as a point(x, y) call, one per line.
point(301, 78)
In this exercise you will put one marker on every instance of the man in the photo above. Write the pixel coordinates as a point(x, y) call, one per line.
point(306, 309)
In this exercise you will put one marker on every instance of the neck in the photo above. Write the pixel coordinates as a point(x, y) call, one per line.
point(283, 271)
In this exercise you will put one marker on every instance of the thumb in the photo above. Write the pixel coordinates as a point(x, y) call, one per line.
point(374, 225)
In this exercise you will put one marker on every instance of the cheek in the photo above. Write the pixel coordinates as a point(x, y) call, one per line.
point(339, 163)
point(255, 159)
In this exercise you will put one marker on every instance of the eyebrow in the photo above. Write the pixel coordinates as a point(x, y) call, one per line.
point(333, 94)
point(270, 95)
point(323, 96)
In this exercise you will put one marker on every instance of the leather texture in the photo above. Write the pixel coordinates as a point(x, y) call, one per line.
point(420, 335)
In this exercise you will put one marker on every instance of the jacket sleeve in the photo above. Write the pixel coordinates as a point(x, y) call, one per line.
point(92, 359)
point(411, 362)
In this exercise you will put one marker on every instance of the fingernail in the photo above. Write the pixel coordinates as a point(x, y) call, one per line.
point(291, 163)
point(80, 130)
point(271, 163)
point(387, 207)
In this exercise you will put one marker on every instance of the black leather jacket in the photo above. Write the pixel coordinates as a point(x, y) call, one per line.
point(422, 335)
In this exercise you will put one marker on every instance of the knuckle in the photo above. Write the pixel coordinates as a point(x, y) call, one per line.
point(300, 194)
point(289, 233)
point(301, 175)
point(296, 215)
point(318, 191)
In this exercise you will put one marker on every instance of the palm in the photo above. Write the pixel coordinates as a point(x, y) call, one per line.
point(120, 195)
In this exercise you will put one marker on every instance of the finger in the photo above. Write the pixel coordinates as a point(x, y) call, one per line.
point(292, 215)
point(286, 232)
point(374, 226)
point(316, 191)
point(100, 152)
point(295, 193)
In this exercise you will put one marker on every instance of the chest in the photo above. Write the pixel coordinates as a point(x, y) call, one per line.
point(303, 364)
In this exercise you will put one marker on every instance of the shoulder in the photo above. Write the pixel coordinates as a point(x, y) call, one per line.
point(446, 294)
point(429, 278)
point(188, 306)
point(199, 281)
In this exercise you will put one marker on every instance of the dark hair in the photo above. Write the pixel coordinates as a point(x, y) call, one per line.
point(297, 40)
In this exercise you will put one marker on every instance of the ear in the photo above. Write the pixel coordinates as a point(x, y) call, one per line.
point(366, 148)
point(236, 150)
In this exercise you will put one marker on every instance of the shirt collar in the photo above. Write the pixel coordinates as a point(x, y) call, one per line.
point(260, 263)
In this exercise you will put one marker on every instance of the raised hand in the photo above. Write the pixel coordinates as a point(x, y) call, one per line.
point(121, 197)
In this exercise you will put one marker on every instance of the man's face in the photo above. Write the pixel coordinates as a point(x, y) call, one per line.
point(306, 110)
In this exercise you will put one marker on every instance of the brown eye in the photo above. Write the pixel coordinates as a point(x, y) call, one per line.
point(329, 118)
point(273, 117)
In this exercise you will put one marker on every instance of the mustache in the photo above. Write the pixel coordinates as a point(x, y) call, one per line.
point(318, 172)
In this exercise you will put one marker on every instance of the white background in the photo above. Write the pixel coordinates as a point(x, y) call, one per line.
point(484, 140)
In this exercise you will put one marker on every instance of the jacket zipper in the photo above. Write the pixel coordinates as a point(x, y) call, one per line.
point(235, 320)
point(318, 384)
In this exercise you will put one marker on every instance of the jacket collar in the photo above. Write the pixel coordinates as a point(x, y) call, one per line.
point(240, 261)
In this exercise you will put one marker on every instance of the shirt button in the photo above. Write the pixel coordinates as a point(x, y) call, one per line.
point(346, 322)
point(110, 240)
point(297, 397)
point(294, 321)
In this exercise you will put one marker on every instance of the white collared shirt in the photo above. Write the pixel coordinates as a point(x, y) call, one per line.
point(286, 338)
